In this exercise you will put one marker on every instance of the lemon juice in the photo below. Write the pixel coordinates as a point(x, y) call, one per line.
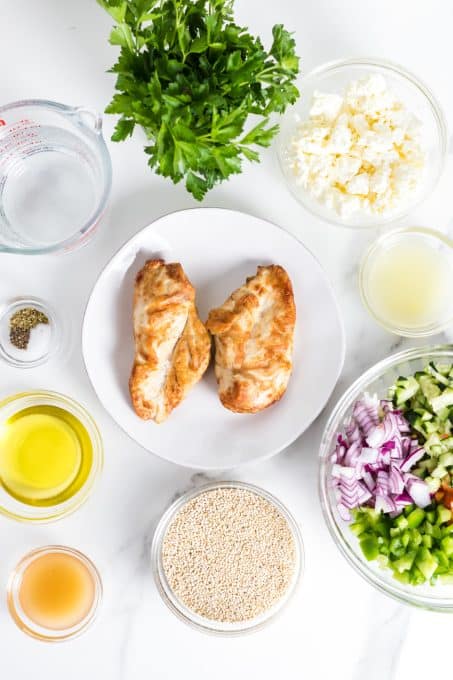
point(409, 281)
point(45, 455)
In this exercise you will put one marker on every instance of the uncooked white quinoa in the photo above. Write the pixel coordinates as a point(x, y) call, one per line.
point(229, 555)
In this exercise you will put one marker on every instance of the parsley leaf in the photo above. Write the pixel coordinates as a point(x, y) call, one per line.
point(194, 80)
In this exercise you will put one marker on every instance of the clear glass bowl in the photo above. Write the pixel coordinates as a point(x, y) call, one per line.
point(377, 380)
point(14, 508)
point(30, 627)
point(334, 77)
point(55, 176)
point(440, 245)
point(194, 619)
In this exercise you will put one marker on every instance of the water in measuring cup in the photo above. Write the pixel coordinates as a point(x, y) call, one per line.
point(49, 188)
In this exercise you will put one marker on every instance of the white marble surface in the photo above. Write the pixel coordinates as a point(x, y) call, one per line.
point(337, 626)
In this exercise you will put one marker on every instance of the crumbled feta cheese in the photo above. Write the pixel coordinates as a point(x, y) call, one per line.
point(360, 151)
point(340, 139)
point(359, 123)
point(379, 180)
point(345, 168)
point(325, 106)
point(360, 184)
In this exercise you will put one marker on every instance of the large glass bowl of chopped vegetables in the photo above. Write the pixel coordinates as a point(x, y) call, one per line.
point(365, 144)
point(386, 476)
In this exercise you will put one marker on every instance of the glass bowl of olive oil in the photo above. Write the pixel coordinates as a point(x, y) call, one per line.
point(51, 454)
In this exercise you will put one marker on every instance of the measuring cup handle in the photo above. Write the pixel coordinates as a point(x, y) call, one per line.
point(90, 118)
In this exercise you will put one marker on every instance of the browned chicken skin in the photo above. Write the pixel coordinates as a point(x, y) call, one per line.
point(172, 344)
point(253, 333)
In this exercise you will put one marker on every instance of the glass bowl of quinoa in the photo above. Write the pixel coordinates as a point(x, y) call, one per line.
point(227, 557)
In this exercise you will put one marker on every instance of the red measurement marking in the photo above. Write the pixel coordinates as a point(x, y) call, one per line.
point(2, 122)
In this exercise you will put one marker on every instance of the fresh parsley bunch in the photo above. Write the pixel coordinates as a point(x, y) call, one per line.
point(190, 77)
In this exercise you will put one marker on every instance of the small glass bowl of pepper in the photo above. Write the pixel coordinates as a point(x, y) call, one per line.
point(30, 332)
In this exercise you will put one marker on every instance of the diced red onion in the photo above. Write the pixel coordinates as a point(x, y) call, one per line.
point(388, 446)
point(412, 459)
point(371, 463)
point(403, 499)
point(369, 455)
point(343, 471)
point(366, 413)
point(344, 512)
point(352, 455)
point(419, 492)
point(353, 433)
point(369, 480)
point(385, 457)
point(382, 433)
point(396, 481)
point(384, 504)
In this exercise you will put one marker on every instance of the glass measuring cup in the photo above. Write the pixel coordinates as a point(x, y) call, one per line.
point(55, 176)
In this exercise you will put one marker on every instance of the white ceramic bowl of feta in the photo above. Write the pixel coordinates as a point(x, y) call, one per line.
point(365, 144)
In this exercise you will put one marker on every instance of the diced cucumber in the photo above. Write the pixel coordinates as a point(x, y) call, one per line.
point(444, 369)
point(446, 459)
point(442, 401)
point(440, 377)
point(430, 426)
point(444, 414)
point(405, 389)
point(439, 472)
point(424, 413)
point(428, 385)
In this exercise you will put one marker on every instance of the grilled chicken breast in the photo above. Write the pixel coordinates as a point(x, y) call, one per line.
point(253, 333)
point(172, 345)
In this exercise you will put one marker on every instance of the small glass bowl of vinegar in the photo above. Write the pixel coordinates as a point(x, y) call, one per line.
point(54, 593)
point(406, 279)
point(51, 454)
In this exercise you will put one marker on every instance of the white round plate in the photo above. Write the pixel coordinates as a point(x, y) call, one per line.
point(218, 250)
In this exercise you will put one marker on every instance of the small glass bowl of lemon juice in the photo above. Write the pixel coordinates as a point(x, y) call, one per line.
point(406, 281)
point(50, 456)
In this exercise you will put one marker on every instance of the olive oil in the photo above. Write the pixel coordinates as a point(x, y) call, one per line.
point(45, 455)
